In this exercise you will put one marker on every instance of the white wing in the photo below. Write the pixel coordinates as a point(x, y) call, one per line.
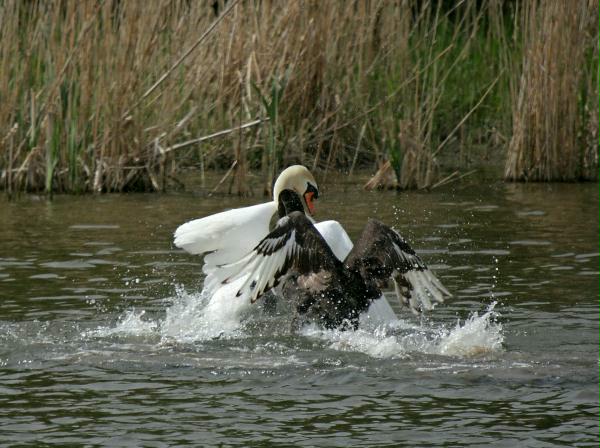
point(293, 243)
point(336, 237)
point(263, 268)
point(228, 235)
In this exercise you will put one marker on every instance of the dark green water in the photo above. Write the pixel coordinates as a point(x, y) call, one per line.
point(101, 344)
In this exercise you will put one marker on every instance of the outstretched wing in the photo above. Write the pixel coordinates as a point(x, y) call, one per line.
point(381, 253)
point(227, 236)
point(294, 243)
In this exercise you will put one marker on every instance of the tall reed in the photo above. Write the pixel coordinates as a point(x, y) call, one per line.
point(555, 110)
point(117, 96)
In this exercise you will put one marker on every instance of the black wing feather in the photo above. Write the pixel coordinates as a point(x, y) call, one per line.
point(381, 254)
point(381, 250)
point(293, 244)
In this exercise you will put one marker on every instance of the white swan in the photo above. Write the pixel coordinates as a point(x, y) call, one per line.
point(230, 235)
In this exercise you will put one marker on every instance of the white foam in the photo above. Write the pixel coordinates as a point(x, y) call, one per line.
point(130, 324)
point(373, 343)
point(196, 317)
point(477, 336)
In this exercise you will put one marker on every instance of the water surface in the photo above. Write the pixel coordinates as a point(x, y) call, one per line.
point(101, 341)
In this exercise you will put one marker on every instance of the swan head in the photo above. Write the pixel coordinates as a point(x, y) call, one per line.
point(298, 179)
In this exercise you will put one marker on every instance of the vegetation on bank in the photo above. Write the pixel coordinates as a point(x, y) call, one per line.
point(118, 96)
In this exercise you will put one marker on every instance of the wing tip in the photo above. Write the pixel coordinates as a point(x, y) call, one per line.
point(424, 291)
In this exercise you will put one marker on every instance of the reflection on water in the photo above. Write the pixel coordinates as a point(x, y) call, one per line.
point(105, 339)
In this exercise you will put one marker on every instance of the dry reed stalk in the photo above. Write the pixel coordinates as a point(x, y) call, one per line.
point(383, 179)
point(125, 55)
point(590, 141)
point(87, 62)
point(547, 118)
point(411, 127)
point(123, 84)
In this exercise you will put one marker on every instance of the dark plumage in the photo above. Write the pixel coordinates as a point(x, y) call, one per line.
point(320, 286)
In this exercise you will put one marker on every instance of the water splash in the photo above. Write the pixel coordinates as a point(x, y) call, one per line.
point(197, 317)
point(131, 323)
point(477, 336)
point(374, 343)
point(189, 317)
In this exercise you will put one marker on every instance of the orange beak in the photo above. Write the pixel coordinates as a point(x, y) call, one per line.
point(309, 199)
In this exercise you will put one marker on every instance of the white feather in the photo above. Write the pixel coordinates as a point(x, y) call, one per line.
point(336, 237)
point(228, 235)
point(239, 227)
point(379, 313)
point(425, 287)
point(262, 269)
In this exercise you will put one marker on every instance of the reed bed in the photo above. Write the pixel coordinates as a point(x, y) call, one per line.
point(555, 109)
point(119, 96)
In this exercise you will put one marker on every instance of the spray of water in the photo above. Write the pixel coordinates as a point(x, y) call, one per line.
point(478, 335)
point(194, 317)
